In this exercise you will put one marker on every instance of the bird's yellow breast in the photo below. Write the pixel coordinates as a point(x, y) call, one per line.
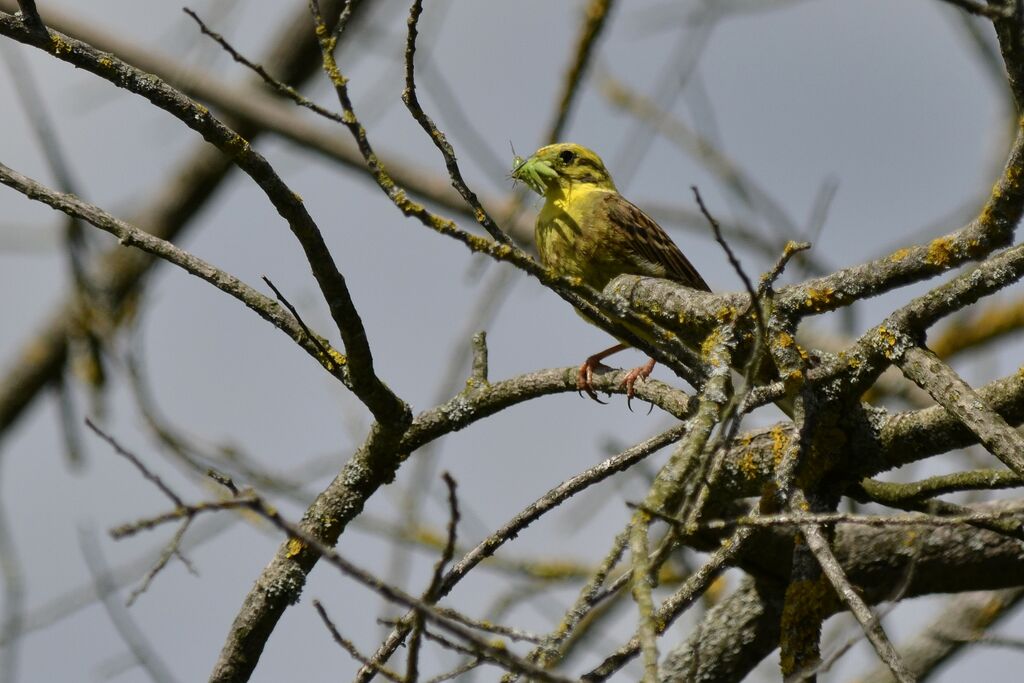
point(566, 234)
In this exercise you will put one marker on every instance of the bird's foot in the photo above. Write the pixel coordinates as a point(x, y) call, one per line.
point(585, 377)
point(629, 381)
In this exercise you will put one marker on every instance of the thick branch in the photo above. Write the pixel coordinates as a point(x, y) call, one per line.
point(732, 638)
point(746, 626)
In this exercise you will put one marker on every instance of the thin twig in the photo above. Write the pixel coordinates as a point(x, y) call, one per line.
point(549, 501)
point(412, 102)
point(351, 648)
point(595, 19)
point(260, 71)
point(133, 459)
point(314, 338)
point(831, 518)
point(172, 549)
point(675, 604)
point(819, 545)
point(733, 261)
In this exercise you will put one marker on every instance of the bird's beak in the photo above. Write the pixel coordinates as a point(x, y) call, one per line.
point(536, 173)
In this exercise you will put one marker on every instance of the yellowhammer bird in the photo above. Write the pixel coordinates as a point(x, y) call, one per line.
point(586, 229)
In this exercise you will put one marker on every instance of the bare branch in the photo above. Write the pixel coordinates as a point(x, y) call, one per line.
point(440, 141)
point(595, 19)
point(956, 396)
point(820, 547)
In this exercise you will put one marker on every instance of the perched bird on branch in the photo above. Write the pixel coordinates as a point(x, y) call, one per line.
point(586, 229)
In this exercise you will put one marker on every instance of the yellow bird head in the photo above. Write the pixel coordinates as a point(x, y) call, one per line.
point(555, 169)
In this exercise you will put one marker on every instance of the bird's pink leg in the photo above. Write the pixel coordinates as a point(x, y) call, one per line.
point(586, 372)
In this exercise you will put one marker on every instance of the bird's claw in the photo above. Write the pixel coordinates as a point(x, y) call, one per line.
point(629, 381)
point(585, 378)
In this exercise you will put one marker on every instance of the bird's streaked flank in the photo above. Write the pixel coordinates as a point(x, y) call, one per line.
point(587, 230)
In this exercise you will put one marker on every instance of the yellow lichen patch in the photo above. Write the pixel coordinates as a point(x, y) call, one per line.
point(888, 341)
point(780, 442)
point(295, 546)
point(1012, 175)
point(748, 466)
point(784, 340)
point(335, 359)
point(473, 383)
point(334, 73)
point(58, 44)
point(899, 255)
point(709, 344)
point(940, 251)
point(807, 601)
point(236, 146)
point(726, 314)
point(659, 623)
point(475, 242)
point(985, 218)
point(819, 299)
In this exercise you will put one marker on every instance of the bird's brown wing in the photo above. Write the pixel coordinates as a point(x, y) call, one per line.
point(646, 241)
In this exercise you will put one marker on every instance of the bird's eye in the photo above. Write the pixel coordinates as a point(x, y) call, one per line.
point(567, 157)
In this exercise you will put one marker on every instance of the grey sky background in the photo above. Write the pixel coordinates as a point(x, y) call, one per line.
point(886, 98)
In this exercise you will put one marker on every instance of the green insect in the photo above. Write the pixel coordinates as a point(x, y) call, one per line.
point(535, 173)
